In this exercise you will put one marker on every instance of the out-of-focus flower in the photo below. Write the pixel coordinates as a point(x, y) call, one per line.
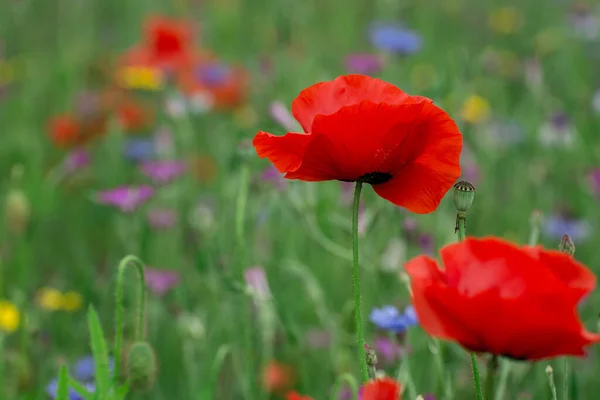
point(71, 301)
point(162, 218)
point(75, 160)
point(162, 172)
point(425, 242)
point(141, 78)
point(245, 116)
point(499, 134)
point(277, 377)
point(191, 326)
point(555, 226)
point(49, 299)
point(395, 39)
point(202, 216)
point(296, 396)
point(9, 316)
point(502, 62)
point(594, 179)
point(256, 279)
point(381, 389)
point(134, 116)
point(126, 198)
point(64, 130)
point(533, 73)
point(423, 76)
point(389, 318)
point(388, 351)
point(138, 149)
point(83, 371)
point(161, 281)
point(394, 255)
point(176, 106)
point(17, 210)
point(363, 63)
point(558, 131)
point(52, 390)
point(280, 114)
point(201, 101)
point(585, 24)
point(475, 109)
point(270, 174)
point(505, 20)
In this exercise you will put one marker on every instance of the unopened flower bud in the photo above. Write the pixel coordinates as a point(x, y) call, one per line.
point(140, 366)
point(18, 210)
point(464, 194)
point(566, 245)
point(371, 356)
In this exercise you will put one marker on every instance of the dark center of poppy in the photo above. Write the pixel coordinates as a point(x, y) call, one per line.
point(375, 178)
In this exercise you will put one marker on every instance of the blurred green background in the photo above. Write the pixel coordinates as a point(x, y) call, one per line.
point(519, 78)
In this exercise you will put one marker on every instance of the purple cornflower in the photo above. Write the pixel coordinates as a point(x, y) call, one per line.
point(272, 175)
point(389, 318)
point(140, 149)
point(127, 198)
point(388, 351)
point(214, 74)
point(161, 281)
point(162, 218)
point(280, 114)
point(363, 63)
point(163, 171)
point(395, 39)
point(76, 159)
point(556, 226)
point(558, 131)
point(256, 279)
point(426, 243)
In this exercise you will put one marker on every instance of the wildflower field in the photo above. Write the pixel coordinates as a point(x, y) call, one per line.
point(310, 200)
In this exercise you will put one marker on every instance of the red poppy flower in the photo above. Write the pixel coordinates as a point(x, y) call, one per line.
point(277, 377)
point(134, 116)
point(296, 396)
point(382, 389)
point(493, 296)
point(64, 130)
point(364, 129)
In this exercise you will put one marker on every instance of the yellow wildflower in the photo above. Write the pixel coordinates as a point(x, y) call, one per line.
point(142, 78)
point(49, 299)
point(9, 316)
point(71, 301)
point(505, 20)
point(475, 109)
point(423, 76)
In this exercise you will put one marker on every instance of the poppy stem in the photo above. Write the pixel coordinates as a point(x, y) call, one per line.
point(490, 380)
point(550, 374)
point(360, 340)
point(141, 310)
point(476, 376)
point(566, 382)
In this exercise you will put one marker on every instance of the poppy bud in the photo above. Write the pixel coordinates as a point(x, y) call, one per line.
point(566, 245)
point(464, 194)
point(371, 356)
point(17, 210)
point(141, 366)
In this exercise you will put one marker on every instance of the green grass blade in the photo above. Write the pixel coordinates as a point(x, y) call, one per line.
point(80, 389)
point(100, 353)
point(63, 384)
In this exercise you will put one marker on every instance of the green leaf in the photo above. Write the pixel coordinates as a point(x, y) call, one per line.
point(122, 391)
point(80, 389)
point(63, 384)
point(100, 353)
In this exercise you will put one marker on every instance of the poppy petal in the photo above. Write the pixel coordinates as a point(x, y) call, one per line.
point(382, 389)
point(285, 152)
point(328, 97)
point(427, 167)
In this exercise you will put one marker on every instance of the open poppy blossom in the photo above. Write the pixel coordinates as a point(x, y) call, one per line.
point(381, 389)
point(499, 298)
point(363, 129)
point(296, 396)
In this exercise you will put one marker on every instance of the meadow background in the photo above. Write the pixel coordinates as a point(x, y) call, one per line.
point(519, 78)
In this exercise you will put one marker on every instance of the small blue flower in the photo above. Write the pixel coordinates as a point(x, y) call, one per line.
point(389, 318)
point(140, 149)
point(213, 74)
point(84, 369)
point(556, 226)
point(395, 39)
point(52, 390)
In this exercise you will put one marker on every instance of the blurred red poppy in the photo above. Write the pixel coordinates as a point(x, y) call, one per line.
point(364, 129)
point(135, 116)
point(277, 377)
point(64, 130)
point(168, 44)
point(382, 389)
point(296, 396)
point(493, 296)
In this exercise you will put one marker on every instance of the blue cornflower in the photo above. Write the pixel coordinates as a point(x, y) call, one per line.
point(389, 318)
point(556, 226)
point(83, 370)
point(214, 74)
point(140, 149)
point(52, 390)
point(395, 39)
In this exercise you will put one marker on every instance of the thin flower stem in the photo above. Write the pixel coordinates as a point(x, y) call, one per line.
point(504, 372)
point(360, 340)
point(492, 372)
point(139, 332)
point(567, 367)
point(240, 215)
point(476, 376)
point(462, 219)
